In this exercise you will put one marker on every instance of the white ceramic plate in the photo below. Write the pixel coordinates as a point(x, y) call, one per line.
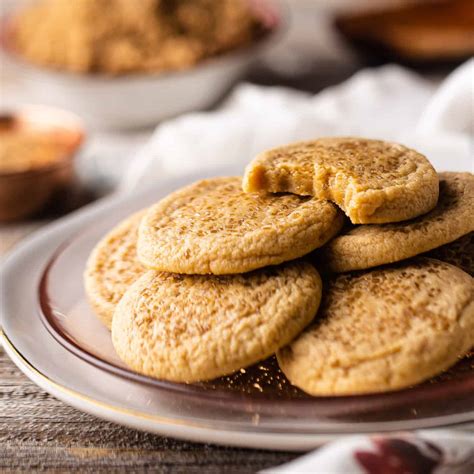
point(128, 402)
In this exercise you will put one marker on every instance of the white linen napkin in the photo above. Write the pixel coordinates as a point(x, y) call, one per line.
point(388, 102)
point(423, 452)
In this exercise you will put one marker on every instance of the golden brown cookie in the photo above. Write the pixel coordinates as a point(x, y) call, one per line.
point(459, 253)
point(286, 169)
point(112, 267)
point(372, 181)
point(213, 227)
point(187, 328)
point(367, 246)
point(384, 330)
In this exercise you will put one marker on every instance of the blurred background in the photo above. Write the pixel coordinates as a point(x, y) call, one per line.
point(85, 83)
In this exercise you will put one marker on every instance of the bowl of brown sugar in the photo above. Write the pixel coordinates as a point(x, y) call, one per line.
point(127, 64)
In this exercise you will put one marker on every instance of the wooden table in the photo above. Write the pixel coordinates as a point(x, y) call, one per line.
point(38, 432)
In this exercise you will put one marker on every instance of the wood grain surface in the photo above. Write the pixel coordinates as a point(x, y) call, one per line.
point(38, 433)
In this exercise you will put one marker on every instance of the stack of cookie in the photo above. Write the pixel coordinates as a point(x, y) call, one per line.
point(222, 274)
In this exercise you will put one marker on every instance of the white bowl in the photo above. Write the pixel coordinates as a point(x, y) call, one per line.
point(138, 100)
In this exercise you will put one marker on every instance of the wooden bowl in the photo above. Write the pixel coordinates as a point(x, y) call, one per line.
point(25, 191)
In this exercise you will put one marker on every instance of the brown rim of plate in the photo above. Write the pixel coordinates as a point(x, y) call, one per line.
point(455, 385)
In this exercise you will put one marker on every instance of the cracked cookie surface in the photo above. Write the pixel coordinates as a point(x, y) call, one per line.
point(213, 227)
point(372, 181)
point(112, 267)
point(286, 169)
point(384, 330)
point(368, 246)
point(188, 328)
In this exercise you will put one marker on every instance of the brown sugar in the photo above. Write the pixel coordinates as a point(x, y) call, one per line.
point(125, 36)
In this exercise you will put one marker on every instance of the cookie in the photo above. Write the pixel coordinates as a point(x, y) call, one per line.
point(213, 227)
point(372, 245)
point(286, 169)
point(459, 253)
point(384, 330)
point(112, 267)
point(372, 181)
point(188, 328)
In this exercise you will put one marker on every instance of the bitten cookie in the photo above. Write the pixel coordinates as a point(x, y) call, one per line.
point(368, 246)
point(384, 330)
point(112, 267)
point(213, 227)
point(188, 328)
point(372, 181)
